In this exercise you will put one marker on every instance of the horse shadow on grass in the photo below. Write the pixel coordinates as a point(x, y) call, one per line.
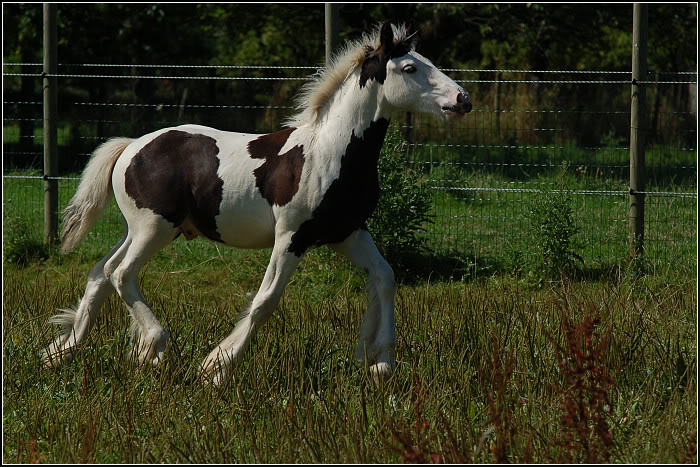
point(416, 267)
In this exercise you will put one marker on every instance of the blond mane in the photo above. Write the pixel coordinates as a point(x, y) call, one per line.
point(315, 94)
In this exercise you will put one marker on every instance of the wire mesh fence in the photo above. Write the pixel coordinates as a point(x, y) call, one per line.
point(529, 131)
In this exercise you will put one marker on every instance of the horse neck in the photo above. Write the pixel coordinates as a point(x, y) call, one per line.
point(350, 111)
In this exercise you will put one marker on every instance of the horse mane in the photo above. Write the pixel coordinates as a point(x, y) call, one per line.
point(316, 93)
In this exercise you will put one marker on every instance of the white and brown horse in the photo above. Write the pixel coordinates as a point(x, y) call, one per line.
point(313, 183)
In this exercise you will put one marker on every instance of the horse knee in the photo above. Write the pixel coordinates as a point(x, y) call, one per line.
point(109, 268)
point(110, 263)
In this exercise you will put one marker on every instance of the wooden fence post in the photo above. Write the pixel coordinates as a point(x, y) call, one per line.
point(638, 129)
point(50, 146)
point(332, 32)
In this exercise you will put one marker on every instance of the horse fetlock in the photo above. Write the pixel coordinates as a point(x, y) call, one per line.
point(372, 352)
point(365, 351)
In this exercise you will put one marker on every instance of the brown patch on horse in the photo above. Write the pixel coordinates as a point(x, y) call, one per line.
point(270, 144)
point(175, 176)
point(278, 177)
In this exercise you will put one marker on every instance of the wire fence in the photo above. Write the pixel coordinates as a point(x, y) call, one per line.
point(526, 134)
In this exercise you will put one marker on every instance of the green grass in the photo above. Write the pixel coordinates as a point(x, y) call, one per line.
point(11, 135)
point(477, 378)
point(495, 228)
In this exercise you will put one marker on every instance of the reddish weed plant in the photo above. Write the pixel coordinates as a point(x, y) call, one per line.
point(415, 444)
point(585, 434)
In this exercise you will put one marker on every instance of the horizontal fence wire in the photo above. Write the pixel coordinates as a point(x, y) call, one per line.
point(318, 69)
point(484, 172)
point(206, 106)
point(493, 190)
point(208, 78)
point(281, 67)
point(224, 67)
point(255, 78)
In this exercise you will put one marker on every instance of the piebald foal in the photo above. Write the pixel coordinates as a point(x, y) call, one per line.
point(313, 183)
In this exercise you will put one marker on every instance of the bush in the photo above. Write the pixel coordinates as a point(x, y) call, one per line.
point(554, 232)
point(404, 202)
point(20, 244)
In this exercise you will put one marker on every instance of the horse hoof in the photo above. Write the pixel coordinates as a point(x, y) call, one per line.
point(381, 372)
point(213, 373)
point(214, 376)
point(55, 360)
point(158, 359)
point(51, 357)
point(152, 350)
point(219, 380)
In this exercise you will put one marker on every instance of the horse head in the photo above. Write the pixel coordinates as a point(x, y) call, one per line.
point(410, 81)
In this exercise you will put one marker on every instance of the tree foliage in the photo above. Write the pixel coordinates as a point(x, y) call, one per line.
point(530, 36)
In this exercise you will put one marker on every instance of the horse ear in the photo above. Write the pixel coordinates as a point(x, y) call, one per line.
point(386, 38)
point(374, 66)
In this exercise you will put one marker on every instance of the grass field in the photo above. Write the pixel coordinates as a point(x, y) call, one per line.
point(479, 378)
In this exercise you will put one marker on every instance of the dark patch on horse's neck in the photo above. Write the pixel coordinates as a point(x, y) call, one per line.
point(374, 65)
point(278, 177)
point(272, 143)
point(175, 176)
point(373, 68)
point(351, 198)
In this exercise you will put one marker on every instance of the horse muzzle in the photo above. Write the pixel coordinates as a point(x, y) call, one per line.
point(461, 107)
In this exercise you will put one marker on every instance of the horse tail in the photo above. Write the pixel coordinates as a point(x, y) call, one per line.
point(94, 192)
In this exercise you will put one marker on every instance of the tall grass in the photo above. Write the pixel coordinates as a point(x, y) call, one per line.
point(486, 371)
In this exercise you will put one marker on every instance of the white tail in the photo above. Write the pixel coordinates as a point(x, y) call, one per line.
point(94, 192)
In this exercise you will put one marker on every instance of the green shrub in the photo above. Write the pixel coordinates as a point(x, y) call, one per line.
point(20, 243)
point(404, 203)
point(554, 232)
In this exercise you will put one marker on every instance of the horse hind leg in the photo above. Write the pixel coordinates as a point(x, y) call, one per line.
point(148, 337)
point(77, 322)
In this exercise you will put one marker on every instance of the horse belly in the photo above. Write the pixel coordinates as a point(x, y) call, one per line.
point(246, 223)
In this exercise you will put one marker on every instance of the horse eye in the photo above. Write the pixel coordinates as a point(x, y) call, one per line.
point(409, 69)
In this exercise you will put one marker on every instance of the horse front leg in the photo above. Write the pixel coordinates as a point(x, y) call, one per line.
point(378, 329)
point(217, 366)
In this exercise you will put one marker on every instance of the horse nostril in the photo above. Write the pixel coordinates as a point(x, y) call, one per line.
point(460, 98)
point(468, 107)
